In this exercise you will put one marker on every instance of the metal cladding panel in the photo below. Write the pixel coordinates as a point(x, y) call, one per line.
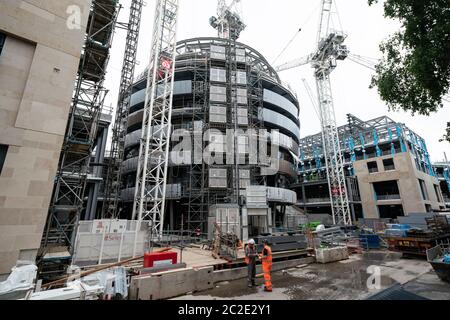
point(280, 101)
point(179, 87)
point(218, 94)
point(240, 55)
point(281, 195)
point(256, 196)
point(218, 52)
point(260, 212)
point(217, 114)
point(218, 178)
point(241, 77)
point(280, 121)
point(218, 75)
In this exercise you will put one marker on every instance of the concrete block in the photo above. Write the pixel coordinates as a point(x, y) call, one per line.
point(204, 279)
point(328, 255)
point(169, 284)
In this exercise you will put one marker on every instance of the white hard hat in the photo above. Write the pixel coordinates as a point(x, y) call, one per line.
point(251, 241)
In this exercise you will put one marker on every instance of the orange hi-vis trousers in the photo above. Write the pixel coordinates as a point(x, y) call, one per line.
point(267, 267)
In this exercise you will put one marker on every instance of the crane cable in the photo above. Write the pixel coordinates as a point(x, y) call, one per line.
point(296, 34)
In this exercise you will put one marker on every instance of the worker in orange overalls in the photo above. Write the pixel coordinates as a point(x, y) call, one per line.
point(266, 259)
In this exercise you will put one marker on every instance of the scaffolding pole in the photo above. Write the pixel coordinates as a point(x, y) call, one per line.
point(151, 177)
point(114, 176)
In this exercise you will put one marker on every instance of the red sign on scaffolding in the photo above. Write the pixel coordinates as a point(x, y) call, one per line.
point(166, 63)
point(165, 67)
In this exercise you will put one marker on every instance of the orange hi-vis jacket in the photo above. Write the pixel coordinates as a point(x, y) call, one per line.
point(267, 258)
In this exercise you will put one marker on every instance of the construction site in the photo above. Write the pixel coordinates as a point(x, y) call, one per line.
point(158, 196)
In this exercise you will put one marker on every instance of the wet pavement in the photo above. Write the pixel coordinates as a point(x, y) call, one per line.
point(353, 279)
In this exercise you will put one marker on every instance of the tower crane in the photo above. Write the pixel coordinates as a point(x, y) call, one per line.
point(228, 22)
point(151, 177)
point(330, 49)
point(114, 176)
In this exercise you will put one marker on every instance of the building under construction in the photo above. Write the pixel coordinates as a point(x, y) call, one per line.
point(206, 152)
point(206, 86)
point(387, 166)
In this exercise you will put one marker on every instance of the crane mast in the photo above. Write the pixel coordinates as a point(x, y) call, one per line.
point(114, 176)
point(329, 49)
point(151, 177)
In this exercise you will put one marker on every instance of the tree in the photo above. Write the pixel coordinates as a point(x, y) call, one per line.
point(414, 74)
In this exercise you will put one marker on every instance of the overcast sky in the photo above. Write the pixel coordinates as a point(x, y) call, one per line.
point(271, 24)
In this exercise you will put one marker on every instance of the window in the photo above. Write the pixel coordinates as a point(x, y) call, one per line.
point(437, 189)
point(389, 164)
point(391, 212)
point(2, 42)
point(386, 190)
point(3, 152)
point(372, 167)
point(423, 189)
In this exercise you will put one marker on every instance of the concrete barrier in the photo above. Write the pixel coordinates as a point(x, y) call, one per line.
point(170, 284)
point(241, 273)
point(327, 255)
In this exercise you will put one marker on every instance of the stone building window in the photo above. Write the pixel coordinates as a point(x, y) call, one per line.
point(372, 167)
point(389, 164)
point(2, 41)
point(3, 152)
point(423, 189)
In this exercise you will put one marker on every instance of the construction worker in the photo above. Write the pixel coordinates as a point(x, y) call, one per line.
point(266, 259)
point(250, 258)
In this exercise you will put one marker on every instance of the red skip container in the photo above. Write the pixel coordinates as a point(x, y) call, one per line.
point(159, 259)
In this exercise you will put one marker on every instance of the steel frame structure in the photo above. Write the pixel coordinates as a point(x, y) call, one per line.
point(151, 179)
point(70, 182)
point(114, 177)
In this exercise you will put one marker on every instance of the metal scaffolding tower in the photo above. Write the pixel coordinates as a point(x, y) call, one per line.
point(79, 142)
point(151, 178)
point(229, 26)
point(330, 48)
point(113, 181)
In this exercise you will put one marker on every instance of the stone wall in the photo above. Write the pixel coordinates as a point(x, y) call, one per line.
point(38, 67)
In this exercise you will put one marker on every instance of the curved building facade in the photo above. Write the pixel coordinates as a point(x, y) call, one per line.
point(218, 88)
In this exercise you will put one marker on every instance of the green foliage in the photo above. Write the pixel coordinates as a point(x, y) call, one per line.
point(415, 72)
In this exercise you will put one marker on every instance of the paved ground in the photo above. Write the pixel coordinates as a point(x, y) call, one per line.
point(346, 280)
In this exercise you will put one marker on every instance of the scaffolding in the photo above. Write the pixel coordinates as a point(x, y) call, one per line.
point(79, 142)
point(113, 183)
point(151, 178)
point(198, 177)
